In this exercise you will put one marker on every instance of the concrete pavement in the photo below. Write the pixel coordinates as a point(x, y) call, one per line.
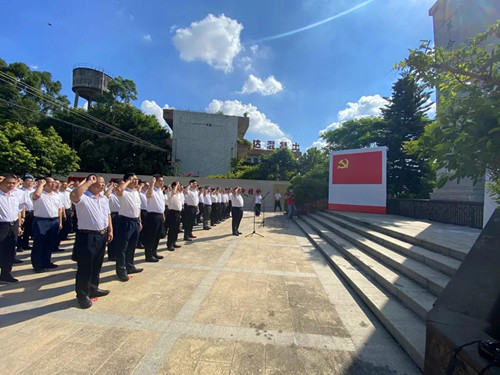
point(220, 305)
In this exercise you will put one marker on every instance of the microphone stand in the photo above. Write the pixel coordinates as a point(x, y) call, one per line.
point(263, 210)
point(254, 231)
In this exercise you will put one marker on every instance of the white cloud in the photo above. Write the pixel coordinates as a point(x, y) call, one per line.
point(214, 40)
point(270, 86)
point(173, 28)
point(147, 38)
point(260, 125)
point(320, 143)
point(34, 67)
point(366, 106)
point(150, 107)
point(254, 48)
point(245, 63)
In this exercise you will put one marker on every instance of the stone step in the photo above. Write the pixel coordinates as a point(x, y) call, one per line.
point(448, 251)
point(401, 322)
point(437, 261)
point(420, 273)
point(413, 295)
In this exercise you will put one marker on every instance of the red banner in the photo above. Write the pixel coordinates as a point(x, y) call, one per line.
point(359, 168)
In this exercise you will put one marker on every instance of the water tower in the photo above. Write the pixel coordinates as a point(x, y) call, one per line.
point(88, 82)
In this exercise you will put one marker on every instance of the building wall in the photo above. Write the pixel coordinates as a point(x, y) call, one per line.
point(202, 143)
point(455, 22)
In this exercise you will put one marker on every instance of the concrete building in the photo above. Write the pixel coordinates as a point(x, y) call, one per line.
point(455, 22)
point(203, 143)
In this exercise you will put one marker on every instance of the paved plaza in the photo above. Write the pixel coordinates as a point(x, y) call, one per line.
point(219, 305)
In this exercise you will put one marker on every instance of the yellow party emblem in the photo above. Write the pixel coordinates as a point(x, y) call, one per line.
point(343, 164)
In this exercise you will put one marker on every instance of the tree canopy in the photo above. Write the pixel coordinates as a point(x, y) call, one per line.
point(465, 138)
point(31, 99)
point(403, 119)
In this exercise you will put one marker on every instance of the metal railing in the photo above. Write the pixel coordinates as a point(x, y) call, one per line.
point(469, 214)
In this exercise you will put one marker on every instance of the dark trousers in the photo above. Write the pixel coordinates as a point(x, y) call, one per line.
point(257, 209)
point(66, 224)
point(112, 248)
point(237, 213)
point(173, 219)
point(213, 214)
point(207, 212)
point(141, 234)
point(88, 252)
point(228, 209)
point(190, 217)
point(8, 240)
point(45, 240)
point(27, 230)
point(164, 229)
point(127, 235)
point(152, 226)
point(201, 212)
point(277, 203)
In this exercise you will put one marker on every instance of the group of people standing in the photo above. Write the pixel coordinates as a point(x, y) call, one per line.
point(122, 215)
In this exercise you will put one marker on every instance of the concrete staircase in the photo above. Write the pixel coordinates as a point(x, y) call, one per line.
point(397, 276)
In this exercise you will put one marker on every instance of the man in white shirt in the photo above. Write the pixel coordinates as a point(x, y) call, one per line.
point(10, 226)
point(114, 207)
point(27, 188)
point(68, 212)
point(143, 188)
point(94, 231)
point(191, 199)
point(174, 215)
point(277, 201)
point(237, 211)
point(155, 217)
point(207, 207)
point(129, 226)
point(46, 224)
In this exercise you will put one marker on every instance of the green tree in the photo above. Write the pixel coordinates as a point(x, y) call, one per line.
point(311, 183)
point(353, 134)
point(27, 149)
point(465, 138)
point(404, 120)
point(279, 165)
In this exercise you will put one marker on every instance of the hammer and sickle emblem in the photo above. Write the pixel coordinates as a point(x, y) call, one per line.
point(343, 164)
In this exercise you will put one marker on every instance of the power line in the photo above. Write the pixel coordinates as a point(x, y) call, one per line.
point(70, 123)
point(121, 134)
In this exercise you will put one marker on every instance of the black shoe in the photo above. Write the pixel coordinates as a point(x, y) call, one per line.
point(206, 228)
point(135, 270)
point(188, 239)
point(123, 277)
point(170, 248)
point(58, 250)
point(8, 279)
point(51, 265)
point(157, 256)
point(84, 302)
point(99, 293)
point(239, 232)
point(151, 260)
point(176, 246)
point(38, 270)
point(236, 234)
point(193, 236)
point(17, 260)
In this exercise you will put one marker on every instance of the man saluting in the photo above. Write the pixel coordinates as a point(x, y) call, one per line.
point(94, 231)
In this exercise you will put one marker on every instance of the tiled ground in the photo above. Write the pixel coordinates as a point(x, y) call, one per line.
point(219, 305)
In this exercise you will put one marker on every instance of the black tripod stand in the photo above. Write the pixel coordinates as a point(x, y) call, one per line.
point(254, 216)
point(263, 210)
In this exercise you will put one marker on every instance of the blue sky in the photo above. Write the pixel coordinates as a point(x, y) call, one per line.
point(203, 55)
